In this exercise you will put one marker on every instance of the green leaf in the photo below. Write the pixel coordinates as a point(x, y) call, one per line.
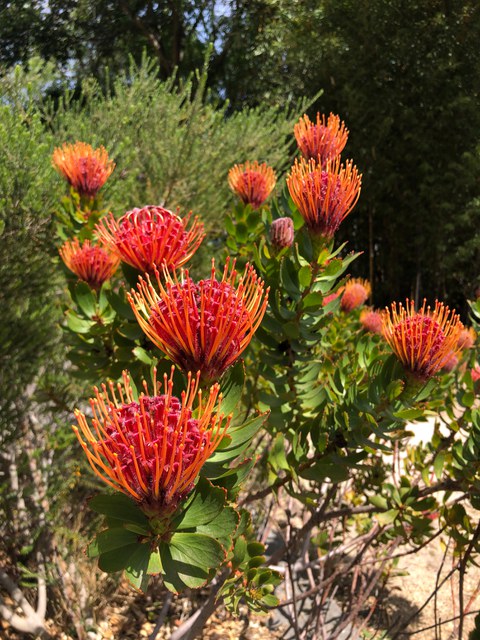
point(438, 464)
point(111, 539)
point(222, 527)
point(142, 355)
point(313, 301)
point(86, 299)
point(187, 560)
point(387, 517)
point(232, 387)
point(112, 561)
point(206, 504)
point(154, 564)
point(136, 572)
point(78, 325)
point(409, 414)
point(120, 507)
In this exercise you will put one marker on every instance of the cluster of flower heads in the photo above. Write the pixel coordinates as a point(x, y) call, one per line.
point(323, 189)
point(151, 448)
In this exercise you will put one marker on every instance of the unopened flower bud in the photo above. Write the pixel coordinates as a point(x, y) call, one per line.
point(281, 233)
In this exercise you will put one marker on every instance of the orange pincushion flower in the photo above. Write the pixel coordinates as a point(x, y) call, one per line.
point(371, 321)
point(467, 338)
point(151, 236)
point(252, 182)
point(324, 196)
point(422, 340)
point(92, 263)
point(86, 169)
point(323, 140)
point(153, 448)
point(355, 293)
point(451, 363)
point(201, 326)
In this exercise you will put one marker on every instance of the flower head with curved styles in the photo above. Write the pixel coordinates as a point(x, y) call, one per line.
point(92, 263)
point(152, 236)
point(201, 326)
point(321, 140)
point(422, 340)
point(324, 195)
point(371, 321)
point(355, 293)
point(151, 448)
point(85, 168)
point(252, 182)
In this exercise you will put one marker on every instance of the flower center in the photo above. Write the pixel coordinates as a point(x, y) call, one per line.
point(423, 339)
point(155, 432)
point(215, 319)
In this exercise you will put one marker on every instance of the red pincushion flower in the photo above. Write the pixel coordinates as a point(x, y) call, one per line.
point(355, 293)
point(323, 140)
point(451, 363)
point(86, 169)
point(422, 340)
point(252, 182)
point(151, 236)
point(282, 233)
point(201, 326)
point(371, 321)
point(153, 448)
point(92, 263)
point(324, 196)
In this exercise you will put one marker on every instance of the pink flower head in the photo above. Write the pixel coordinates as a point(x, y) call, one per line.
point(371, 321)
point(202, 326)
point(92, 263)
point(355, 293)
point(151, 448)
point(152, 236)
point(85, 168)
point(324, 194)
point(252, 182)
point(321, 140)
point(422, 340)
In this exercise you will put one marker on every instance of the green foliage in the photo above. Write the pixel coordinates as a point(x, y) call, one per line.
point(28, 278)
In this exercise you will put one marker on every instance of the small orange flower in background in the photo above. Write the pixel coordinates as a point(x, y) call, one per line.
point(153, 448)
point(422, 340)
point(324, 196)
point(252, 182)
point(85, 168)
point(321, 140)
point(467, 338)
point(151, 236)
point(201, 326)
point(355, 293)
point(92, 263)
point(371, 320)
